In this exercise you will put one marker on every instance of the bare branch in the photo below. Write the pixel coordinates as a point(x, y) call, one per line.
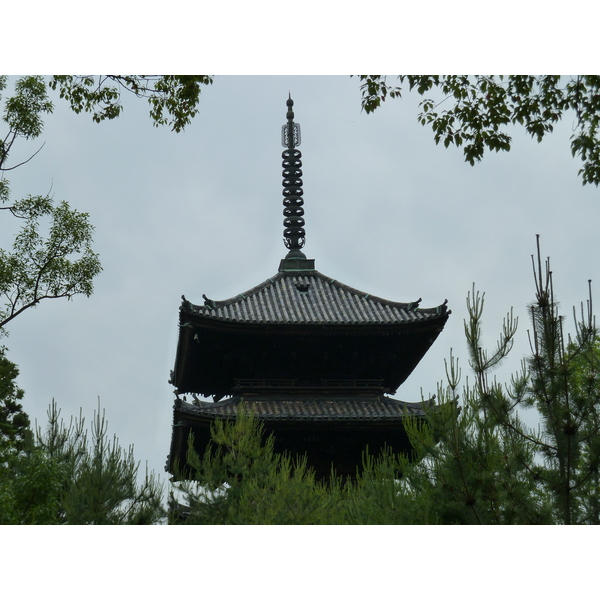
point(24, 162)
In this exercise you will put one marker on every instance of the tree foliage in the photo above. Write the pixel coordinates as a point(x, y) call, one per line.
point(59, 263)
point(475, 456)
point(51, 254)
point(15, 432)
point(240, 480)
point(476, 112)
point(77, 477)
point(173, 99)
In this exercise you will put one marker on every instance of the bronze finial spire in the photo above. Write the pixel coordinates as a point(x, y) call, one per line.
point(292, 185)
point(293, 222)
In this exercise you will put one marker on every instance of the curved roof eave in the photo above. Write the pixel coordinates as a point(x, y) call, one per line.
point(309, 297)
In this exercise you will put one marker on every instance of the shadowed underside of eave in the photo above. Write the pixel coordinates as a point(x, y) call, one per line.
point(211, 357)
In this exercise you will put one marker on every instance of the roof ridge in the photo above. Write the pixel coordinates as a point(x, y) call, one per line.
point(290, 296)
point(287, 274)
point(242, 296)
point(366, 296)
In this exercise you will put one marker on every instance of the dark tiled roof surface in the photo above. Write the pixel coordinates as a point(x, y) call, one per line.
point(314, 408)
point(310, 298)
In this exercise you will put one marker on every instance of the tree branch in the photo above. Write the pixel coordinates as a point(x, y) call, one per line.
point(21, 163)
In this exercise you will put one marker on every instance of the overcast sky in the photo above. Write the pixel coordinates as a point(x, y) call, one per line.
point(200, 212)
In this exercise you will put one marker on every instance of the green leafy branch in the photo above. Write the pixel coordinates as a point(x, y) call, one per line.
point(480, 108)
point(59, 265)
point(173, 99)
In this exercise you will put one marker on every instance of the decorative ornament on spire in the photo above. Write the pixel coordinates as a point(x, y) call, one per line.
point(292, 185)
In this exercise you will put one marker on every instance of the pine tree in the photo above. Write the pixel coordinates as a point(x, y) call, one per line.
point(479, 462)
point(241, 480)
point(565, 390)
point(15, 431)
point(68, 478)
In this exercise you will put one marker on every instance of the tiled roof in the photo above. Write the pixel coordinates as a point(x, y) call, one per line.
point(311, 408)
point(310, 298)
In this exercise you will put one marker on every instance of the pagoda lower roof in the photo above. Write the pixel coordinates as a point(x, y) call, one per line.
point(331, 430)
point(311, 298)
point(313, 408)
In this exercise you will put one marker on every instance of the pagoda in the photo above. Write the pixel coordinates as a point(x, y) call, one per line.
point(311, 358)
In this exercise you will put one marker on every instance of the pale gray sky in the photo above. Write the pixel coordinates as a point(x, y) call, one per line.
point(387, 212)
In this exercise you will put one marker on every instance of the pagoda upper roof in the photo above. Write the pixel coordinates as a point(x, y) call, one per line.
point(311, 298)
